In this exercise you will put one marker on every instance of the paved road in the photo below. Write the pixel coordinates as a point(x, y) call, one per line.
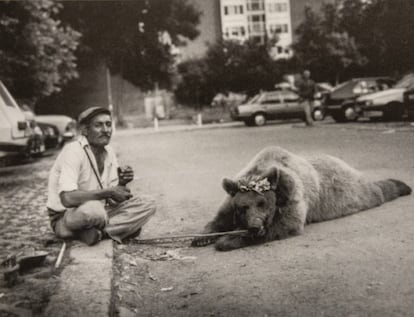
point(355, 266)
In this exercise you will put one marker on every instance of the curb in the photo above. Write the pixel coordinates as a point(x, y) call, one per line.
point(177, 128)
point(85, 283)
point(181, 128)
point(383, 129)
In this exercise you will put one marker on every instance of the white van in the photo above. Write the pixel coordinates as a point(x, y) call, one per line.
point(15, 132)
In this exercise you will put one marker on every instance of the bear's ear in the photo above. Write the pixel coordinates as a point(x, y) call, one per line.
point(272, 175)
point(282, 183)
point(230, 186)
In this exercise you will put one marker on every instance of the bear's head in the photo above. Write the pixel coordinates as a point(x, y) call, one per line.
point(256, 201)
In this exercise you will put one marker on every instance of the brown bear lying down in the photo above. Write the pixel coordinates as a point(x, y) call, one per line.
point(278, 192)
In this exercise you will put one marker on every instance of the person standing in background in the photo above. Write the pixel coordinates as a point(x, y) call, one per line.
point(306, 90)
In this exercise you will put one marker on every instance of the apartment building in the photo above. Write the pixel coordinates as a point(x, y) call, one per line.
point(258, 20)
point(243, 19)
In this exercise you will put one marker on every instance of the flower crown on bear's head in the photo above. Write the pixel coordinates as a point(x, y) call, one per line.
point(259, 186)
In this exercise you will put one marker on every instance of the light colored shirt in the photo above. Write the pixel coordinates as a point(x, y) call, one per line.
point(72, 170)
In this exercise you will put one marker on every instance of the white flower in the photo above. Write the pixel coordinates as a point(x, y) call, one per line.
point(259, 186)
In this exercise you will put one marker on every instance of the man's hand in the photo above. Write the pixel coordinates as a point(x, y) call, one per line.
point(120, 193)
point(125, 175)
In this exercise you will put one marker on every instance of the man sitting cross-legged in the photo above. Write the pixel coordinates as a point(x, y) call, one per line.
point(87, 194)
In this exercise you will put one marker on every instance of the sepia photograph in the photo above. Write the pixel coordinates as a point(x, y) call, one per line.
point(206, 158)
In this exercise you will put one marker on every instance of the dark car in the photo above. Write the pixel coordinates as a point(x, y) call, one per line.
point(409, 103)
point(36, 145)
point(387, 104)
point(340, 103)
point(51, 135)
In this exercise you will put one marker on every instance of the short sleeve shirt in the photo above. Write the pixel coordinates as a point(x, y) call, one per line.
point(72, 170)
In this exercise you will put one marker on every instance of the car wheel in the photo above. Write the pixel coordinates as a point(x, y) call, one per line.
point(318, 114)
point(259, 119)
point(350, 114)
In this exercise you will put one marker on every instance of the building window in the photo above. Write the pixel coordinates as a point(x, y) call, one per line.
point(258, 39)
point(277, 7)
point(233, 10)
point(256, 18)
point(234, 32)
point(255, 5)
point(256, 24)
point(238, 31)
point(226, 32)
point(278, 28)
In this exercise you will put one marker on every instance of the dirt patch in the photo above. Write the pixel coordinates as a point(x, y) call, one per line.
point(145, 275)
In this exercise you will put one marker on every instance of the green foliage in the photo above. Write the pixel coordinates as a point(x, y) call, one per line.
point(228, 66)
point(36, 50)
point(134, 38)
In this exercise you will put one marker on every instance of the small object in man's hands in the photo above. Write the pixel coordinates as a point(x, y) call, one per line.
point(121, 170)
point(121, 174)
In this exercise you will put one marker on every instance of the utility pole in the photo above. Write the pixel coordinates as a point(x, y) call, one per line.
point(109, 93)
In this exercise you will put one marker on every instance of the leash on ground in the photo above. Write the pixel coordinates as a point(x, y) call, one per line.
point(165, 239)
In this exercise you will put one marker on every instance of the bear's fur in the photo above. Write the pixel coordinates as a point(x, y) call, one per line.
point(298, 191)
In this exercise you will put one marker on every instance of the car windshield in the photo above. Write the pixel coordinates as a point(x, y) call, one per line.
point(255, 98)
point(341, 85)
point(406, 82)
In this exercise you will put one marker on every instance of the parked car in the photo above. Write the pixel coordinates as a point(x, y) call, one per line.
point(228, 100)
point(340, 102)
point(59, 127)
point(387, 104)
point(16, 133)
point(409, 103)
point(51, 135)
point(268, 105)
point(322, 92)
point(37, 139)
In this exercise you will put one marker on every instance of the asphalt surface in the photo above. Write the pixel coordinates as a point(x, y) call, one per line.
point(356, 266)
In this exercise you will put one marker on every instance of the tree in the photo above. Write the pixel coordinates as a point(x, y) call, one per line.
point(193, 88)
point(36, 50)
point(355, 36)
point(325, 46)
point(388, 35)
point(133, 38)
point(229, 66)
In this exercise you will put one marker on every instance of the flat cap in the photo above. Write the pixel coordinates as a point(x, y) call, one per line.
point(87, 115)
